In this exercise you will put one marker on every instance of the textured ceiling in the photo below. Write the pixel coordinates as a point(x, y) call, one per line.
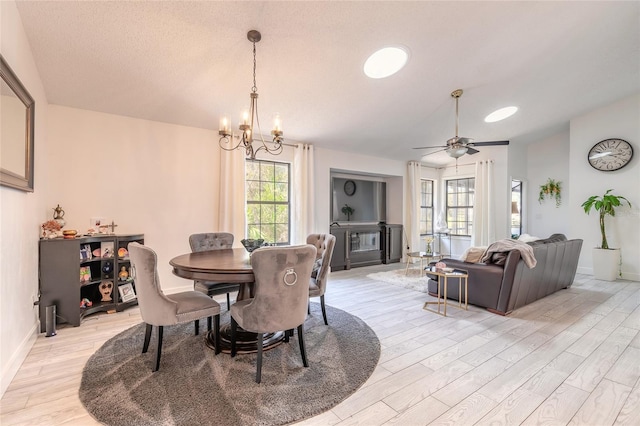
point(190, 62)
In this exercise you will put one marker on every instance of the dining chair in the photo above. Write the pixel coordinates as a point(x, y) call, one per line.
point(158, 309)
point(324, 244)
point(213, 241)
point(281, 296)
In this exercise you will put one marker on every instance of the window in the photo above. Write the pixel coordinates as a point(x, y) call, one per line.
point(268, 208)
point(460, 198)
point(426, 207)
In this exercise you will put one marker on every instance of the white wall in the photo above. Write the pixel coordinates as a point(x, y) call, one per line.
point(153, 178)
point(620, 119)
point(548, 158)
point(21, 213)
point(328, 160)
point(517, 169)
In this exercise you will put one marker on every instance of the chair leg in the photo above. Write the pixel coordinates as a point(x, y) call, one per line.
point(286, 336)
point(234, 328)
point(197, 325)
point(259, 367)
point(308, 308)
point(228, 302)
point(303, 352)
point(208, 323)
point(324, 312)
point(217, 332)
point(159, 351)
point(147, 338)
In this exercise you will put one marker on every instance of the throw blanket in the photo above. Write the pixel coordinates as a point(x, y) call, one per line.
point(500, 246)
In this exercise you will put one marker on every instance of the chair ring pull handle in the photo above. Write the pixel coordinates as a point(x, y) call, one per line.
point(295, 277)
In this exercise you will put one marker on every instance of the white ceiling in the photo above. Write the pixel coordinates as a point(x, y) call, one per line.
point(190, 62)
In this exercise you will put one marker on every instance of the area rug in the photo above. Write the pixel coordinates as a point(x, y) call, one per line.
point(413, 280)
point(195, 387)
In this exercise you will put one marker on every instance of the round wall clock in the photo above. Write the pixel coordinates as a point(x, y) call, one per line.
point(349, 187)
point(610, 154)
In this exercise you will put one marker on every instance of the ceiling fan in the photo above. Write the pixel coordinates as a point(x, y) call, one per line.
point(457, 146)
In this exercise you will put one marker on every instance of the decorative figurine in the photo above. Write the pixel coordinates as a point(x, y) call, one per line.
point(58, 215)
point(124, 274)
point(107, 269)
point(105, 289)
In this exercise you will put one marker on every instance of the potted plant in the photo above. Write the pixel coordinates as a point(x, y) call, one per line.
point(606, 260)
point(348, 210)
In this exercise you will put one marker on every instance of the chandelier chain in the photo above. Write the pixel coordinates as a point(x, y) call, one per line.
point(254, 89)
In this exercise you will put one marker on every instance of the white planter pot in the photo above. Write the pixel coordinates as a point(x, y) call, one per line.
point(606, 264)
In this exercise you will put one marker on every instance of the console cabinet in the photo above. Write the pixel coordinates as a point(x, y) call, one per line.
point(85, 275)
point(365, 245)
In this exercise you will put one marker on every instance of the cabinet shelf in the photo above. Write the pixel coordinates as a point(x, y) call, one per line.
point(61, 262)
point(97, 307)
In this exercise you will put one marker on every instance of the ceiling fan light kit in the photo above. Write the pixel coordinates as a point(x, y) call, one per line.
point(458, 146)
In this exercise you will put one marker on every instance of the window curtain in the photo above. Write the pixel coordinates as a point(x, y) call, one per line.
point(302, 194)
point(483, 232)
point(412, 219)
point(231, 207)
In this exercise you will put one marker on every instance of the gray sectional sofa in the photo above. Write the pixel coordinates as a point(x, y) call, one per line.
point(503, 287)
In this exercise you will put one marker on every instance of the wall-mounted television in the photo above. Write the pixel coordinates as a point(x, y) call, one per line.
point(367, 198)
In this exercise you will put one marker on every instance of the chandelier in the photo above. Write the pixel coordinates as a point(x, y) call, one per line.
point(246, 138)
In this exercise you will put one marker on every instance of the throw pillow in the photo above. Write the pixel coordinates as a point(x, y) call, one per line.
point(526, 238)
point(473, 254)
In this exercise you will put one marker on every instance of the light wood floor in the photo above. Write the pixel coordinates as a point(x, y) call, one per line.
point(572, 358)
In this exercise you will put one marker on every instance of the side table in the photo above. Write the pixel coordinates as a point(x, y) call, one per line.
point(443, 281)
point(422, 256)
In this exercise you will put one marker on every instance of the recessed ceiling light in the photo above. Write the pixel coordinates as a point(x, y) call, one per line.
point(385, 62)
point(501, 114)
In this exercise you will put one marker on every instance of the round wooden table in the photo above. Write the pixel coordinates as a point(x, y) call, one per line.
point(225, 266)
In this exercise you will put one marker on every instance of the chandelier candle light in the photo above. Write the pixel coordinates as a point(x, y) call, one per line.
point(249, 118)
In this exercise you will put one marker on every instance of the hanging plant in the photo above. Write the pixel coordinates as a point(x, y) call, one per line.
point(551, 189)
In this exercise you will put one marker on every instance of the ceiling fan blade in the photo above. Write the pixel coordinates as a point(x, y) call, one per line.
point(472, 151)
point(490, 143)
point(433, 152)
point(430, 147)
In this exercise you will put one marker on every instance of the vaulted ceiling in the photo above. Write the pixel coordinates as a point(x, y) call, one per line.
point(190, 62)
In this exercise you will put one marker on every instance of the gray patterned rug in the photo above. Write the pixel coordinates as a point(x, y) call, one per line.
point(195, 387)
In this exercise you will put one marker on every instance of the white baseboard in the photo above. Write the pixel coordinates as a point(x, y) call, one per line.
point(625, 275)
point(18, 357)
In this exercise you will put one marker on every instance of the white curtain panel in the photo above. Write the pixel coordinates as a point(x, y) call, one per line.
point(303, 195)
point(484, 228)
point(231, 207)
point(413, 211)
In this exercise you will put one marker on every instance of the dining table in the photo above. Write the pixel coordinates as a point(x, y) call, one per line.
point(225, 266)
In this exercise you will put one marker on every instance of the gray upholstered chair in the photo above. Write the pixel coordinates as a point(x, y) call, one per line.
point(281, 296)
point(213, 241)
point(324, 244)
point(160, 310)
